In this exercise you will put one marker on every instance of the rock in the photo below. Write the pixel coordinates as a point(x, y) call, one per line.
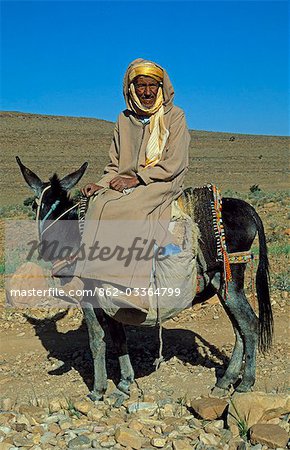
point(111, 421)
point(181, 445)
point(79, 442)
point(6, 417)
point(158, 442)
point(54, 428)
point(214, 427)
point(134, 424)
point(226, 436)
point(209, 408)
point(54, 405)
point(22, 441)
point(6, 446)
point(108, 443)
point(65, 424)
point(235, 443)
point(140, 406)
point(208, 438)
point(168, 410)
point(20, 427)
point(83, 406)
point(33, 411)
point(48, 438)
point(7, 404)
point(256, 407)
point(271, 435)
point(5, 429)
point(128, 438)
point(95, 414)
point(195, 423)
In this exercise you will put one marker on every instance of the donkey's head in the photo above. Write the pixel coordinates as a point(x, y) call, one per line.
point(54, 206)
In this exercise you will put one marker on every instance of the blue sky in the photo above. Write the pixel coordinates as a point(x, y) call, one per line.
point(228, 61)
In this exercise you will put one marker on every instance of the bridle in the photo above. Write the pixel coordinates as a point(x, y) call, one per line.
point(40, 222)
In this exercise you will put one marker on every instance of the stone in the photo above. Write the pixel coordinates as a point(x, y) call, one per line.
point(141, 406)
point(34, 412)
point(181, 445)
point(54, 428)
point(79, 442)
point(47, 438)
point(109, 443)
point(256, 407)
point(158, 442)
point(6, 446)
point(149, 433)
point(134, 424)
point(22, 441)
point(234, 443)
point(20, 427)
point(6, 417)
point(168, 410)
point(7, 404)
point(54, 405)
point(209, 408)
point(208, 438)
point(95, 414)
point(5, 429)
point(214, 427)
point(271, 435)
point(22, 419)
point(83, 406)
point(65, 424)
point(128, 438)
point(195, 423)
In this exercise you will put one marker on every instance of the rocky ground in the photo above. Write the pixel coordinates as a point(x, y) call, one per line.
point(46, 373)
point(46, 366)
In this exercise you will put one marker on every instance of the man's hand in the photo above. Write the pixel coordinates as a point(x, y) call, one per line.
point(120, 183)
point(90, 188)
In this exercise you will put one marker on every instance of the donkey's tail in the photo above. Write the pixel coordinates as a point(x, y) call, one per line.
point(266, 326)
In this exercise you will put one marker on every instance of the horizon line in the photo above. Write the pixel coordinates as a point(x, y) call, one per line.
point(109, 121)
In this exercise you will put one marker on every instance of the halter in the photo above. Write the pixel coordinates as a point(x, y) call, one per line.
point(40, 222)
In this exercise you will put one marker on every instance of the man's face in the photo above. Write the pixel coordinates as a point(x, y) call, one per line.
point(146, 89)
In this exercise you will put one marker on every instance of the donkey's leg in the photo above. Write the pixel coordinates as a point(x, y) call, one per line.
point(232, 372)
point(118, 336)
point(247, 324)
point(98, 349)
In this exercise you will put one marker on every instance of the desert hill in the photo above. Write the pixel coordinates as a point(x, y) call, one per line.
point(58, 143)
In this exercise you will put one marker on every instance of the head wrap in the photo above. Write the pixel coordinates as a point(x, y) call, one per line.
point(158, 131)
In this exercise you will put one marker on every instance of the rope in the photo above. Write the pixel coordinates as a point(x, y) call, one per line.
point(160, 358)
point(52, 208)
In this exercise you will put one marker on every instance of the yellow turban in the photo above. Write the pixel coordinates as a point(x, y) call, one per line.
point(146, 69)
point(158, 131)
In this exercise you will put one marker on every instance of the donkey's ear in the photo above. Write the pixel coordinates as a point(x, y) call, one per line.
point(72, 179)
point(31, 178)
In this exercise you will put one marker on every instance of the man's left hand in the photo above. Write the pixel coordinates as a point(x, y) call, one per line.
point(120, 183)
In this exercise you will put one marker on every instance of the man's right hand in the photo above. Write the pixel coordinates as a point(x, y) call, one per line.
point(90, 189)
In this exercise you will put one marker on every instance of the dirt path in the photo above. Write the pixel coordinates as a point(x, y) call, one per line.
point(45, 357)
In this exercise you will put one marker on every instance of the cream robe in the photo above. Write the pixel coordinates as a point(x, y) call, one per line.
point(114, 218)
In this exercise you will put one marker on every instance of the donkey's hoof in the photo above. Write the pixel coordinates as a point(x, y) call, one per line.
point(220, 392)
point(243, 388)
point(124, 386)
point(117, 398)
point(95, 396)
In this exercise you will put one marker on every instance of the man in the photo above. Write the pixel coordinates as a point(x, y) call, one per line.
point(148, 163)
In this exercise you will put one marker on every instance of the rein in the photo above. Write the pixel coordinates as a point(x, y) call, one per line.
point(40, 222)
